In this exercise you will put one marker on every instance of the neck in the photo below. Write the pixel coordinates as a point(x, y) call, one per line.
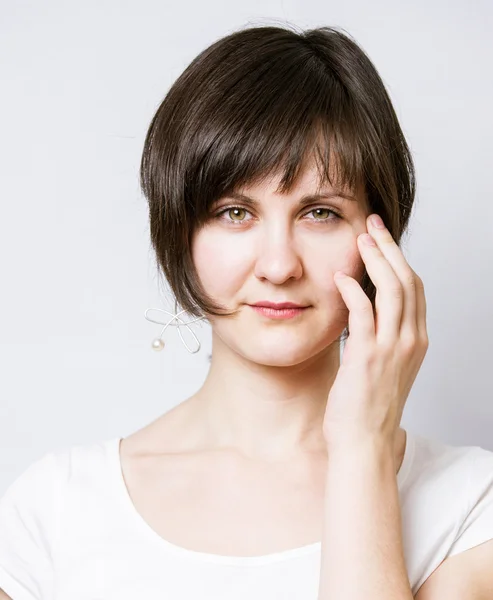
point(263, 412)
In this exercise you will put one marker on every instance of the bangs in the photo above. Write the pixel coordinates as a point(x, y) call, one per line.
point(288, 118)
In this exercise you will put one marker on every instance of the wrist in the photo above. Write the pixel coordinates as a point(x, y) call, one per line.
point(361, 444)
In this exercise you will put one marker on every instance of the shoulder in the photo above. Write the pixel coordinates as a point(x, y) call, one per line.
point(39, 482)
point(476, 525)
point(39, 490)
point(461, 478)
point(438, 472)
point(28, 522)
point(460, 481)
point(31, 512)
point(46, 476)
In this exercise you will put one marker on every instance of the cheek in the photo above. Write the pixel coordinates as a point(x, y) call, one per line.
point(219, 265)
point(348, 260)
point(331, 302)
point(353, 264)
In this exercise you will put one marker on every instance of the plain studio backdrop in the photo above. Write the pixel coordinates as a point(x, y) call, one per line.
point(80, 82)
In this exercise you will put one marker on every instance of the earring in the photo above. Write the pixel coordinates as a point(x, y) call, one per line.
point(158, 343)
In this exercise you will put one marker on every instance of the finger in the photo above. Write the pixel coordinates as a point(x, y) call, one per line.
point(407, 277)
point(421, 310)
point(389, 298)
point(361, 322)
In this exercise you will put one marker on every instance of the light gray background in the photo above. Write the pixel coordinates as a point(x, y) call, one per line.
point(80, 82)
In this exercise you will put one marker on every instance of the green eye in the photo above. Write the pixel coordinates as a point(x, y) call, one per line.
point(315, 209)
point(228, 209)
point(236, 208)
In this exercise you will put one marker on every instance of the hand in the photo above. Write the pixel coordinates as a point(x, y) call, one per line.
point(383, 354)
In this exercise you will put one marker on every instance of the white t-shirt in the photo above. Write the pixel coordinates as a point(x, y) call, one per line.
point(69, 531)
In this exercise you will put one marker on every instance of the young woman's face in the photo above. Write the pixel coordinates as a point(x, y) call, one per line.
point(280, 250)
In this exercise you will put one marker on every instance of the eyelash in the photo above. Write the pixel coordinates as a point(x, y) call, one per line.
point(336, 217)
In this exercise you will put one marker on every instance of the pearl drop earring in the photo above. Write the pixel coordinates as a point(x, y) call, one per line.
point(158, 343)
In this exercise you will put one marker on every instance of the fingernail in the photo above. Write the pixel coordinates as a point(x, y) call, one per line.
point(377, 222)
point(367, 239)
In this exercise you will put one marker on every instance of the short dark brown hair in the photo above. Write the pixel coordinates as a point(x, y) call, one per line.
point(258, 102)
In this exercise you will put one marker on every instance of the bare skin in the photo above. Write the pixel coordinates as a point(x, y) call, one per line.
point(217, 501)
point(239, 468)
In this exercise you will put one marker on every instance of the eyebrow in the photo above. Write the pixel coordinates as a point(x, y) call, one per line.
point(304, 200)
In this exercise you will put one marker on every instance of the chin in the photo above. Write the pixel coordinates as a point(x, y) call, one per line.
point(281, 353)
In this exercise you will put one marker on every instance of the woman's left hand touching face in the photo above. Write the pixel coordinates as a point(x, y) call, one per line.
point(383, 354)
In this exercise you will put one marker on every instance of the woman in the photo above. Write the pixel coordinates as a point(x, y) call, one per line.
point(287, 474)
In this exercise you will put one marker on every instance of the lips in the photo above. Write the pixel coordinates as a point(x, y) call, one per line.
point(279, 314)
point(278, 305)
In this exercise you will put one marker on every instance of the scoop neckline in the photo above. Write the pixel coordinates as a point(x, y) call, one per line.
point(113, 447)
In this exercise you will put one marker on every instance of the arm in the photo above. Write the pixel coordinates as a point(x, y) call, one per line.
point(465, 576)
point(3, 596)
point(362, 553)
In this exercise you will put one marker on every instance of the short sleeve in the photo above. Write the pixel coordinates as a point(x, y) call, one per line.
point(28, 528)
point(477, 526)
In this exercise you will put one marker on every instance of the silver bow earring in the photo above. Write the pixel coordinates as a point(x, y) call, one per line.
point(158, 343)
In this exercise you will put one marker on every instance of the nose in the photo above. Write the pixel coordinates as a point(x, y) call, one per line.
point(278, 258)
